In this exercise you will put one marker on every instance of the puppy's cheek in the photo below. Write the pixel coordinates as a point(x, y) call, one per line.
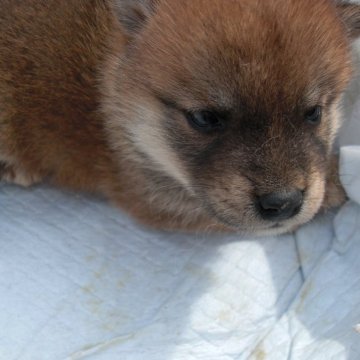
point(314, 198)
point(148, 136)
point(335, 194)
point(150, 141)
point(335, 122)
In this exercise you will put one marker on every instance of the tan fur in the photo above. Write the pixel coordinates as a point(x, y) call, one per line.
point(80, 107)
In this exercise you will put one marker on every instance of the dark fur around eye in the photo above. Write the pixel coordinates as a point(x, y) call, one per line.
point(313, 116)
point(205, 121)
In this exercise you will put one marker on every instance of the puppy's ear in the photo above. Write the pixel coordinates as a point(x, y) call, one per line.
point(350, 16)
point(133, 14)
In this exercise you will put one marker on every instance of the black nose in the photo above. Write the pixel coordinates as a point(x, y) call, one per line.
point(280, 205)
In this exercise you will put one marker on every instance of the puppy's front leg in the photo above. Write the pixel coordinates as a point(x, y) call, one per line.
point(14, 175)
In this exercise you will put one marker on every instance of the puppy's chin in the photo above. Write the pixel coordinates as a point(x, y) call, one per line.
point(261, 230)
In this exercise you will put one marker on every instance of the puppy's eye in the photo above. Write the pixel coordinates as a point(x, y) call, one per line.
point(313, 115)
point(205, 121)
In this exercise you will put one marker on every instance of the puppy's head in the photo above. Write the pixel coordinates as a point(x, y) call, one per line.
point(236, 100)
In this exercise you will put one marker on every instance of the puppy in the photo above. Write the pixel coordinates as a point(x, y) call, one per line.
point(192, 115)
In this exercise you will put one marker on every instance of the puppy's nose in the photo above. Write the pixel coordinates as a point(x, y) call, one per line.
point(281, 205)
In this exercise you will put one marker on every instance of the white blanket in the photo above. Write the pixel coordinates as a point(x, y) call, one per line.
point(80, 280)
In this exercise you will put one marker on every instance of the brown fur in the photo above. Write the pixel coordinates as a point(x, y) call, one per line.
point(90, 92)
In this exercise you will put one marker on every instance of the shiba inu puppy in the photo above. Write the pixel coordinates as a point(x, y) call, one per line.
point(192, 115)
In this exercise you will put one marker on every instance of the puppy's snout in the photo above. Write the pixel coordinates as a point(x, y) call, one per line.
point(281, 205)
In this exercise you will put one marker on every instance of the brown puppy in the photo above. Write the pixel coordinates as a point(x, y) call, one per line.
point(191, 115)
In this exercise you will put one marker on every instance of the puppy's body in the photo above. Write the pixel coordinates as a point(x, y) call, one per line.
point(94, 96)
point(50, 56)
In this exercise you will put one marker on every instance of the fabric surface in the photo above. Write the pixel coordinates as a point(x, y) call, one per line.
point(80, 280)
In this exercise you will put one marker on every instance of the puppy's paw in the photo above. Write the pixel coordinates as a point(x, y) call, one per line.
point(14, 175)
point(335, 195)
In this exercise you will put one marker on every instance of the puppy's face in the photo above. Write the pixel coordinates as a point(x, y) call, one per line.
point(237, 101)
